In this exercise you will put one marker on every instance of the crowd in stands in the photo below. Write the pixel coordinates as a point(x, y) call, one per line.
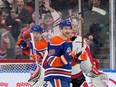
point(24, 37)
point(18, 16)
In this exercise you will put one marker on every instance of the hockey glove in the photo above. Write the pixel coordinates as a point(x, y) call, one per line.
point(80, 56)
point(38, 55)
point(23, 45)
point(19, 41)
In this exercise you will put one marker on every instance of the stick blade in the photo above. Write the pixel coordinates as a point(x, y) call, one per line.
point(99, 10)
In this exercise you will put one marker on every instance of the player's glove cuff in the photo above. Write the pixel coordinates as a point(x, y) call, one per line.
point(80, 56)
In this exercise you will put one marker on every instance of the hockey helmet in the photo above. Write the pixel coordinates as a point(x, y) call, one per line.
point(65, 23)
point(37, 28)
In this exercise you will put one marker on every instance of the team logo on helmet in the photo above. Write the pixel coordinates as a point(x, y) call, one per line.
point(37, 28)
point(65, 23)
point(68, 50)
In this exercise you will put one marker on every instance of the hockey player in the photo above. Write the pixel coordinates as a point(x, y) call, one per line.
point(25, 33)
point(39, 46)
point(59, 59)
point(37, 50)
point(47, 33)
point(87, 66)
point(78, 79)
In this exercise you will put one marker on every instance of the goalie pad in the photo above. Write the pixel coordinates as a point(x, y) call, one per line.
point(93, 72)
point(100, 81)
point(85, 84)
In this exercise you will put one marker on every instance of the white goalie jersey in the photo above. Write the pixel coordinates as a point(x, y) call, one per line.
point(85, 65)
point(98, 79)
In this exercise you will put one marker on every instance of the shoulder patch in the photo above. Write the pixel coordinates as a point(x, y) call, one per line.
point(51, 52)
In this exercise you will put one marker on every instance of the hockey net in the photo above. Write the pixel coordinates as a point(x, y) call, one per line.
point(21, 66)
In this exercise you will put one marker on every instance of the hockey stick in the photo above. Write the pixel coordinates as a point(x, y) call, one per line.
point(95, 9)
point(99, 10)
point(32, 39)
point(82, 24)
point(33, 83)
point(36, 60)
point(90, 7)
point(36, 22)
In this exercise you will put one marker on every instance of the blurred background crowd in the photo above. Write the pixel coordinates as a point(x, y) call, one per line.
point(15, 15)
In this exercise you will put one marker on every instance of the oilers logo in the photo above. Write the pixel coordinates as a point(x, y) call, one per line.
point(68, 50)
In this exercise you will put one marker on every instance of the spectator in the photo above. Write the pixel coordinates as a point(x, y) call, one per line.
point(22, 15)
point(18, 52)
point(4, 13)
point(51, 21)
point(28, 5)
point(19, 18)
point(31, 3)
point(91, 45)
point(7, 44)
point(6, 5)
point(58, 58)
point(14, 25)
point(73, 13)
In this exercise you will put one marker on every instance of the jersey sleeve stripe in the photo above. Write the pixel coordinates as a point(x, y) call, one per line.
point(56, 62)
point(64, 60)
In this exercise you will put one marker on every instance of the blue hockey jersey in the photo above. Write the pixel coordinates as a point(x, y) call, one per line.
point(58, 67)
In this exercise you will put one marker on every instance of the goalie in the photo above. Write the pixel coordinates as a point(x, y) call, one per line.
point(98, 79)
